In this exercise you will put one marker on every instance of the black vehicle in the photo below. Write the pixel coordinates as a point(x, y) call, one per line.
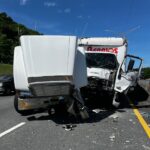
point(7, 84)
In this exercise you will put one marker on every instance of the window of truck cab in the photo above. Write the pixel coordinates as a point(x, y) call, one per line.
point(101, 60)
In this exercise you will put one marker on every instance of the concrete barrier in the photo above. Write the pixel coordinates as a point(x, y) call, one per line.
point(145, 84)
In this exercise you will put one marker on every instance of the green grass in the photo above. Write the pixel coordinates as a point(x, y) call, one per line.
point(6, 69)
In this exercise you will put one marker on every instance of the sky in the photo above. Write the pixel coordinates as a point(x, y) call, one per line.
point(87, 18)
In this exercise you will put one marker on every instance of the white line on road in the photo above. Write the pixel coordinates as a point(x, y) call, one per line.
point(11, 129)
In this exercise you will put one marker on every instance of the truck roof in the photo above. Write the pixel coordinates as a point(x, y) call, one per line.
point(96, 41)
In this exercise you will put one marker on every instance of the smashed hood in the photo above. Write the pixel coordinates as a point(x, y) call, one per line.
point(101, 73)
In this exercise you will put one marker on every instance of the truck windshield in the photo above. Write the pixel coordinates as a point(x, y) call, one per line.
point(101, 60)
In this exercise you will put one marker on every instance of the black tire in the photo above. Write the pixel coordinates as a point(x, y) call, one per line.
point(22, 112)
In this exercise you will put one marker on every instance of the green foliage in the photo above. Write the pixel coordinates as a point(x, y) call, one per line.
point(6, 69)
point(146, 73)
point(10, 32)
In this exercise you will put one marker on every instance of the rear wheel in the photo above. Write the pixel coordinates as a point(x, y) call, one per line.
point(22, 112)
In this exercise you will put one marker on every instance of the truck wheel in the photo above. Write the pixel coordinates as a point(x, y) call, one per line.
point(22, 112)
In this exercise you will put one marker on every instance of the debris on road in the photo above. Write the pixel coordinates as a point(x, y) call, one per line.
point(97, 111)
point(94, 142)
point(112, 137)
point(115, 119)
point(69, 127)
point(146, 147)
point(127, 141)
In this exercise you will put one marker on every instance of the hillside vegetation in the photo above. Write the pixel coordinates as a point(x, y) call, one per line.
point(6, 69)
point(10, 31)
point(146, 73)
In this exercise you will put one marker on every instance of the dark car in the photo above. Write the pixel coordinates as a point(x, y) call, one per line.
point(7, 84)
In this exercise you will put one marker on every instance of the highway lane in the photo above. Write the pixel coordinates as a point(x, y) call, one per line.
point(107, 129)
point(8, 116)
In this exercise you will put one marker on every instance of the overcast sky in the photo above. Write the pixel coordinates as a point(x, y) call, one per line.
point(86, 18)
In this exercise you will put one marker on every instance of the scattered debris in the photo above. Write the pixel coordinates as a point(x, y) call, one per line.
point(116, 116)
point(146, 147)
point(127, 141)
point(112, 137)
point(115, 119)
point(94, 142)
point(68, 127)
point(132, 121)
point(96, 111)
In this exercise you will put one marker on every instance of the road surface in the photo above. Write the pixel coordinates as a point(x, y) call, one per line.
point(106, 130)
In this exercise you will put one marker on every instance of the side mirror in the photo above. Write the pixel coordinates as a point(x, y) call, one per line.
point(130, 65)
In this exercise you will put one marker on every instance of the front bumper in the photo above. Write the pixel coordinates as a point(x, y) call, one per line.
point(37, 103)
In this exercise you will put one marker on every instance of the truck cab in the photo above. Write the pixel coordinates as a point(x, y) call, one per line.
point(106, 60)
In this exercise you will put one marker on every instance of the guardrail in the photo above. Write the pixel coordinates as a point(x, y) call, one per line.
point(145, 84)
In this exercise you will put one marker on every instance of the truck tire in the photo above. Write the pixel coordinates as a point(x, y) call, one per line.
point(22, 112)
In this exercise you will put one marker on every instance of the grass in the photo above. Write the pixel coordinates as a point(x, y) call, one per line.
point(6, 69)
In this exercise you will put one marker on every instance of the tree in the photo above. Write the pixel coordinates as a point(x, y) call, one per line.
point(10, 32)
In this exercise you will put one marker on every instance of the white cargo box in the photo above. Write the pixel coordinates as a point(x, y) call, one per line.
point(20, 77)
point(51, 65)
point(102, 41)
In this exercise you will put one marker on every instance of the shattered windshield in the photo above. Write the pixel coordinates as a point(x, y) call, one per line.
point(101, 60)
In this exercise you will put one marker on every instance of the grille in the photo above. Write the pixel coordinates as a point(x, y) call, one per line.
point(49, 89)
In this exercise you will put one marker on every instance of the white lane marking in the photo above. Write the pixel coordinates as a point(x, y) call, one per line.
point(11, 129)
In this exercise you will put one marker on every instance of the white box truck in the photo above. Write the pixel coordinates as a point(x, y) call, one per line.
point(110, 70)
point(46, 72)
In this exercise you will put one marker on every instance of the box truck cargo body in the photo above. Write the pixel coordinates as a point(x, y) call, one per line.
point(107, 67)
point(46, 70)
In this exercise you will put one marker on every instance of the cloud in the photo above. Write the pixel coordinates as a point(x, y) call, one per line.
point(83, 17)
point(23, 2)
point(67, 10)
point(49, 4)
point(80, 17)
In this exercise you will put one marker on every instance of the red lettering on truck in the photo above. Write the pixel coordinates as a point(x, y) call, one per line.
point(98, 49)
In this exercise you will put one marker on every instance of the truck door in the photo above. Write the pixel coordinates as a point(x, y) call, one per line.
point(129, 77)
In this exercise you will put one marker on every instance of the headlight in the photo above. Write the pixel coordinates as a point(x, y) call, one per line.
point(1, 84)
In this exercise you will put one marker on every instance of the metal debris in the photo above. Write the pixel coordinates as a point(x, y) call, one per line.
point(96, 111)
point(68, 127)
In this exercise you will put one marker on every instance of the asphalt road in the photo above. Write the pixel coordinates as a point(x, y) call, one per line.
point(106, 130)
